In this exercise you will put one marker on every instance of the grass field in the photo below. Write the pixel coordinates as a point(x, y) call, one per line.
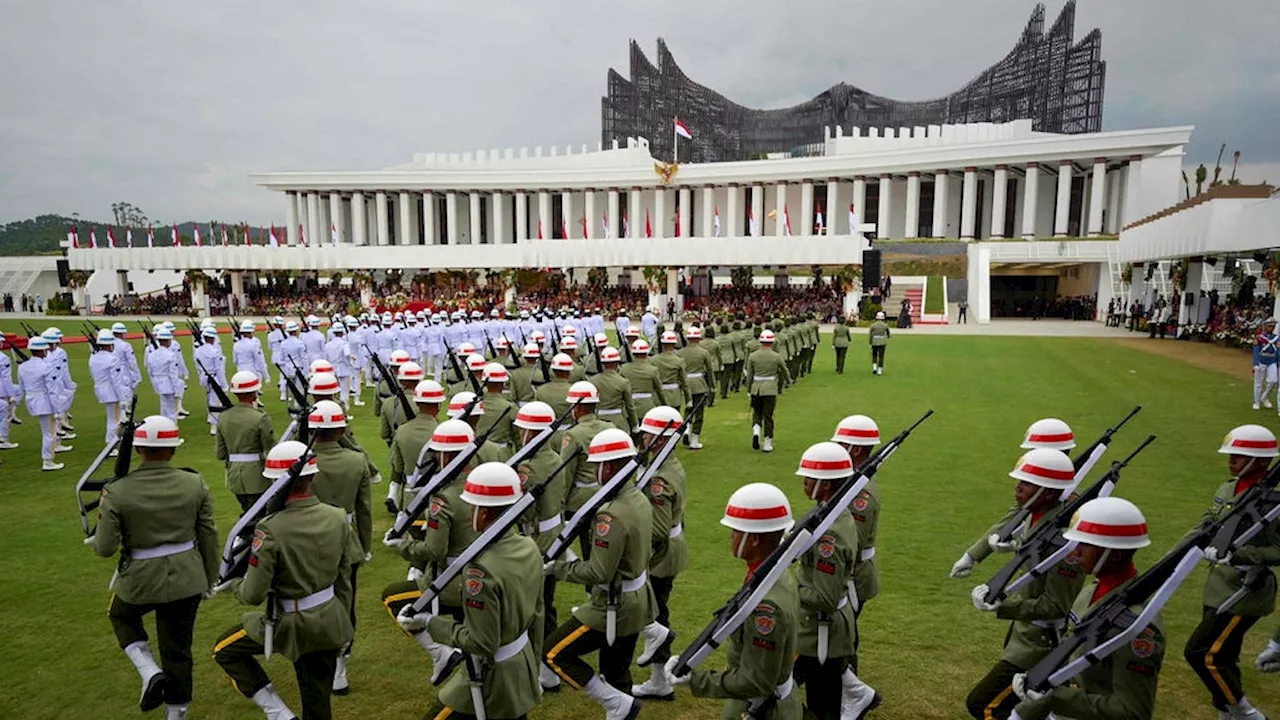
point(923, 644)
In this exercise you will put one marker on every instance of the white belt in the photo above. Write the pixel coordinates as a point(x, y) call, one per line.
point(844, 600)
point(501, 445)
point(867, 553)
point(676, 531)
point(641, 396)
point(693, 376)
point(1050, 624)
point(160, 551)
point(670, 386)
point(350, 517)
point(762, 378)
point(315, 599)
point(511, 649)
point(580, 484)
point(609, 411)
point(549, 524)
point(245, 457)
point(782, 691)
point(635, 585)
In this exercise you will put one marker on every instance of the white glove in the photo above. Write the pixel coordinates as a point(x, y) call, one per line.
point(1014, 715)
point(979, 595)
point(1269, 660)
point(671, 677)
point(376, 479)
point(228, 585)
point(570, 555)
point(963, 567)
point(993, 542)
point(393, 542)
point(415, 574)
point(1022, 691)
point(368, 556)
point(88, 540)
point(410, 621)
point(1211, 554)
point(549, 568)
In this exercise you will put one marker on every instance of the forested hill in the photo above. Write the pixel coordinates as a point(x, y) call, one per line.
point(33, 236)
point(41, 234)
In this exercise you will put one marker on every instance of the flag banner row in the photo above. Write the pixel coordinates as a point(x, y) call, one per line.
point(243, 234)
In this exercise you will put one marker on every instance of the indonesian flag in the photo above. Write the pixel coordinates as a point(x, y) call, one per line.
point(677, 222)
point(683, 130)
point(128, 237)
point(224, 236)
point(111, 237)
point(564, 228)
point(540, 237)
point(648, 226)
point(585, 234)
point(333, 234)
point(626, 227)
point(73, 238)
point(786, 219)
point(302, 235)
point(195, 233)
point(151, 236)
point(93, 238)
point(751, 220)
point(604, 223)
point(716, 220)
point(177, 239)
point(247, 239)
point(853, 220)
point(817, 222)
point(274, 241)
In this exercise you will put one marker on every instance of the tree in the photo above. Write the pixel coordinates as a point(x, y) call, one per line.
point(128, 215)
point(1202, 174)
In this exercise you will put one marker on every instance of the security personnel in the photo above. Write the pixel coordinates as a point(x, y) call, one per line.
point(495, 405)
point(878, 336)
point(244, 436)
point(700, 378)
point(815, 340)
point(828, 628)
point(1266, 356)
point(762, 650)
point(744, 344)
point(616, 404)
point(522, 378)
point(1213, 650)
point(1049, 434)
point(544, 520)
point(302, 558)
point(580, 475)
point(246, 353)
point(211, 363)
point(667, 494)
point(1123, 684)
point(840, 341)
point(768, 375)
point(161, 519)
point(617, 572)
point(556, 392)
point(37, 385)
point(110, 384)
point(646, 385)
point(312, 340)
point(728, 358)
point(391, 414)
point(1040, 609)
point(672, 372)
point(394, 360)
point(569, 347)
point(412, 437)
point(292, 356)
point(163, 363)
point(501, 624)
point(712, 346)
point(127, 357)
point(343, 481)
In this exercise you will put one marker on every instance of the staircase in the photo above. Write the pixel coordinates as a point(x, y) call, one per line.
point(911, 288)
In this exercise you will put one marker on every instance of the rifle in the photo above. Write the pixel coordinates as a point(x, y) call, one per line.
point(124, 445)
point(1046, 547)
point(425, 467)
point(794, 543)
point(299, 422)
point(1083, 462)
point(235, 553)
point(216, 388)
point(626, 347)
point(441, 478)
point(91, 336)
point(30, 331)
point(1249, 515)
point(146, 332)
point(93, 325)
point(651, 468)
point(396, 389)
point(457, 369)
point(17, 351)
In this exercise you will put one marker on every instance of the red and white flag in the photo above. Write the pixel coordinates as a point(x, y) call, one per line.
point(224, 236)
point(683, 130)
point(604, 223)
point(275, 241)
point(585, 234)
point(626, 227)
point(247, 239)
point(128, 237)
point(751, 220)
point(786, 218)
point(111, 237)
point(93, 238)
point(195, 234)
point(73, 238)
point(333, 234)
point(302, 235)
point(853, 220)
point(677, 222)
point(177, 239)
point(151, 236)
point(540, 229)
point(648, 226)
point(818, 226)
point(716, 220)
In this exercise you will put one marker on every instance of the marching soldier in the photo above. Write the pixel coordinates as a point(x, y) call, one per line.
point(474, 364)
point(1039, 611)
point(840, 341)
point(161, 520)
point(163, 365)
point(61, 368)
point(815, 339)
point(9, 398)
point(616, 405)
point(712, 346)
point(312, 340)
point(621, 599)
point(40, 390)
point(828, 628)
point(495, 404)
point(768, 375)
point(672, 373)
point(556, 392)
point(522, 377)
point(411, 437)
point(245, 435)
point(292, 355)
point(569, 347)
point(391, 414)
point(646, 386)
point(1123, 684)
point(666, 492)
point(127, 358)
point(1048, 434)
point(301, 560)
point(728, 358)
point(591, 358)
point(276, 336)
point(761, 651)
point(700, 380)
point(1213, 650)
point(878, 336)
point(580, 475)
point(343, 359)
point(246, 352)
point(210, 361)
point(501, 625)
point(110, 382)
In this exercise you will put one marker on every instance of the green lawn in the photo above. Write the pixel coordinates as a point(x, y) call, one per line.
point(923, 644)
point(934, 302)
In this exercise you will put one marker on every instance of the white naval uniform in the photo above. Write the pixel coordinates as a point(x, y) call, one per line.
point(111, 387)
point(41, 390)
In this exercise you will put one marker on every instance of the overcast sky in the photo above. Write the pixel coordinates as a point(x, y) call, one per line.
point(170, 104)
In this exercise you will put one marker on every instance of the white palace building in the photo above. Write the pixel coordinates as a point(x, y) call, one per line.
point(1028, 202)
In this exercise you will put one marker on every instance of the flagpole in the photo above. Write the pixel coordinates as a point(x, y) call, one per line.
point(675, 141)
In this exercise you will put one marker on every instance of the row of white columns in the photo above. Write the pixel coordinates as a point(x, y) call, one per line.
point(346, 218)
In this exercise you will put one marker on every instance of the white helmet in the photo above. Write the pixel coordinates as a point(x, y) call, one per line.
point(496, 373)
point(880, 315)
point(209, 331)
point(163, 333)
point(561, 363)
point(584, 393)
point(283, 456)
point(247, 327)
point(531, 350)
point(1109, 522)
point(1250, 440)
point(410, 371)
point(1049, 433)
point(610, 444)
point(758, 508)
point(693, 333)
point(569, 343)
point(610, 355)
point(459, 402)
point(428, 391)
point(569, 331)
point(157, 431)
point(105, 337)
point(766, 337)
point(661, 420)
point(320, 365)
point(465, 349)
point(399, 357)
point(535, 415)
point(327, 414)
point(323, 383)
point(857, 430)
point(475, 363)
point(291, 327)
point(601, 340)
point(451, 436)
point(825, 461)
point(640, 347)
point(245, 382)
point(668, 338)
point(492, 484)
point(1046, 468)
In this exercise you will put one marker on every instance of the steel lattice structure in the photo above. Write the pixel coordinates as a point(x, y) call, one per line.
point(1049, 78)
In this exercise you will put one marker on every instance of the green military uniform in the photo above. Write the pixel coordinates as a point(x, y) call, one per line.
point(390, 416)
point(406, 448)
point(544, 519)
point(761, 654)
point(1121, 685)
point(672, 376)
point(865, 509)
point(981, 549)
point(699, 378)
point(465, 385)
point(840, 341)
point(504, 437)
point(578, 372)
point(161, 520)
point(1213, 650)
point(522, 383)
point(580, 475)
point(728, 359)
point(767, 374)
point(815, 340)
point(646, 386)
point(244, 432)
point(621, 542)
point(667, 492)
point(305, 554)
point(616, 405)
point(825, 573)
point(712, 346)
point(745, 342)
point(501, 626)
point(1039, 614)
point(878, 336)
point(555, 394)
